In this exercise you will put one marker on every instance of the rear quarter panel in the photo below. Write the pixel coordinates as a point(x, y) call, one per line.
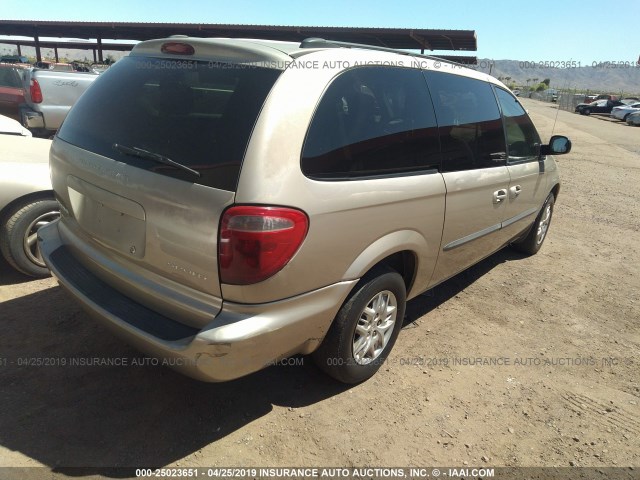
point(353, 224)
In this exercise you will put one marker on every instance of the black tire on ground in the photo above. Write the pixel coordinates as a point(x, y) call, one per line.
point(586, 111)
point(20, 225)
point(381, 288)
point(536, 236)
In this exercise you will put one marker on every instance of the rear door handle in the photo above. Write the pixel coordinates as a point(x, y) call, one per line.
point(499, 195)
point(515, 191)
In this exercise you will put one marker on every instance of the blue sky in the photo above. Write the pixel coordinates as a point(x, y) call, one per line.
point(536, 30)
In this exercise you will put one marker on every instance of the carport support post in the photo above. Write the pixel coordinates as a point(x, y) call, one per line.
point(55, 49)
point(37, 41)
point(95, 60)
point(19, 50)
point(100, 49)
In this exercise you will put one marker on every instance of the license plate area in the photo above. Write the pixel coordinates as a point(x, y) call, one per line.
point(110, 219)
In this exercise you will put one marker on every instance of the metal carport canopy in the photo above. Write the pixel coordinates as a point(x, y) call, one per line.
point(402, 38)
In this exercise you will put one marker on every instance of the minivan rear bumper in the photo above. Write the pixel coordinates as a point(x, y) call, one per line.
point(240, 340)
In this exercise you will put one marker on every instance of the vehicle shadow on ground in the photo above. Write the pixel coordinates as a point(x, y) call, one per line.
point(9, 276)
point(423, 304)
point(97, 417)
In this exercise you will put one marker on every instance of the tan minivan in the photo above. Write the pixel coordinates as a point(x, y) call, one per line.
point(227, 203)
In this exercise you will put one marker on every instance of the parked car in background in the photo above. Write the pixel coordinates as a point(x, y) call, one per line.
point(606, 97)
point(57, 66)
point(634, 119)
point(551, 94)
point(81, 67)
point(621, 112)
point(26, 201)
point(99, 68)
point(238, 212)
point(630, 100)
point(599, 106)
point(14, 59)
point(9, 126)
point(12, 91)
point(49, 95)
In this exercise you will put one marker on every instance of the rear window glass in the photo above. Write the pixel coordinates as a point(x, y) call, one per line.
point(199, 114)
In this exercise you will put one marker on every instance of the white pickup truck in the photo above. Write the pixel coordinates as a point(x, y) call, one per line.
point(49, 94)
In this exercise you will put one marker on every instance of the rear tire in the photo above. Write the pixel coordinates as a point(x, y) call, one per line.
point(532, 243)
point(18, 232)
point(365, 328)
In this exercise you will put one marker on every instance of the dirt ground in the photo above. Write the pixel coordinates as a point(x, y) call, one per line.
point(516, 362)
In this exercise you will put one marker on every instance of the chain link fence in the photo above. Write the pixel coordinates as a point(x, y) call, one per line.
point(568, 99)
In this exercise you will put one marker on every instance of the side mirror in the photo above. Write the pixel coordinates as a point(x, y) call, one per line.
point(558, 145)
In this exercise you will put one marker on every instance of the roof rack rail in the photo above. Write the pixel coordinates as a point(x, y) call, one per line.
point(314, 42)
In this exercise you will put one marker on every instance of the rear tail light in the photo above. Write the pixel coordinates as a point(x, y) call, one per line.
point(257, 242)
point(35, 92)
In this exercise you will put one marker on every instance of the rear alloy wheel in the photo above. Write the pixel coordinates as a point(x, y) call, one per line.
point(365, 329)
point(18, 235)
point(374, 327)
point(535, 238)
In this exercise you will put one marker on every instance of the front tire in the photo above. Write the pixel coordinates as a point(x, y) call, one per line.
point(18, 235)
point(365, 328)
point(532, 243)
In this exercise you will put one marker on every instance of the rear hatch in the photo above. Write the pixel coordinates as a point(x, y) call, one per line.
point(146, 162)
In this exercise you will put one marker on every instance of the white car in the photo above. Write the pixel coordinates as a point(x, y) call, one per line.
point(26, 200)
point(634, 118)
point(9, 126)
point(623, 111)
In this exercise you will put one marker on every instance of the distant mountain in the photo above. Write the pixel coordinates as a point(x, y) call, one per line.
point(603, 78)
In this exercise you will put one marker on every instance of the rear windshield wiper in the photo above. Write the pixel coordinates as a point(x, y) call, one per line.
point(156, 157)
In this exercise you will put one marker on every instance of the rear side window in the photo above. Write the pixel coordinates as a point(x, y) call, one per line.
point(199, 114)
point(469, 120)
point(372, 121)
point(523, 141)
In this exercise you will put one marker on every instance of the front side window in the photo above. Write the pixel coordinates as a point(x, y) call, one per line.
point(469, 121)
point(372, 121)
point(196, 113)
point(523, 140)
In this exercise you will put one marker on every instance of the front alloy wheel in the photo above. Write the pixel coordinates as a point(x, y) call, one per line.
point(543, 223)
point(538, 232)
